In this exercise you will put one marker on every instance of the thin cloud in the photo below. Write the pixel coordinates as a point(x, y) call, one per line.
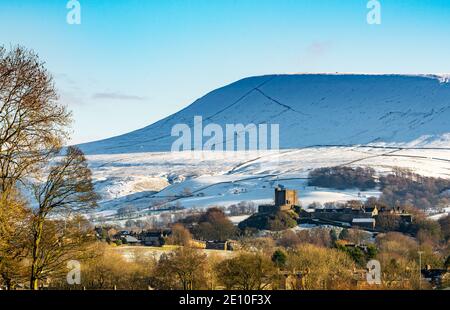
point(116, 96)
point(318, 49)
point(65, 79)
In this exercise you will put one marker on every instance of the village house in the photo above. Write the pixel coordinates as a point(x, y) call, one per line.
point(130, 240)
point(364, 223)
point(154, 237)
point(401, 213)
point(362, 217)
point(434, 276)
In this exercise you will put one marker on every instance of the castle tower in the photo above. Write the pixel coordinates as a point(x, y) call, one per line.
point(285, 199)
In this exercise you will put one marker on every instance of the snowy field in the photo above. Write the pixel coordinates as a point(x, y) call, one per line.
point(194, 180)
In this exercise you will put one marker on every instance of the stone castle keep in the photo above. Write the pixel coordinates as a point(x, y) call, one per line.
point(361, 216)
point(285, 200)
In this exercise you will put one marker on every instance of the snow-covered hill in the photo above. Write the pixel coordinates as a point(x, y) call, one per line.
point(313, 109)
point(379, 121)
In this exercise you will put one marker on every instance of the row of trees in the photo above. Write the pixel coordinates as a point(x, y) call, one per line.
point(265, 263)
point(401, 187)
point(38, 234)
point(343, 177)
point(191, 269)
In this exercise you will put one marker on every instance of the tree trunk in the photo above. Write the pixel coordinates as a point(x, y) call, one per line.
point(8, 285)
point(34, 283)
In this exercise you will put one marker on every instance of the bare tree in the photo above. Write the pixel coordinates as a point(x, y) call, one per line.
point(68, 189)
point(32, 123)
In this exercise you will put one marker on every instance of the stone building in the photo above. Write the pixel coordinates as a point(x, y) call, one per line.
point(364, 223)
point(285, 200)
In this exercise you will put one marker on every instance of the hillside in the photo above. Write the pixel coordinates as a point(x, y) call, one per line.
point(313, 109)
point(378, 121)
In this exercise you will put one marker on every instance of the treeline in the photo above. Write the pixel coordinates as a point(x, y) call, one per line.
point(319, 258)
point(401, 187)
point(422, 228)
point(343, 178)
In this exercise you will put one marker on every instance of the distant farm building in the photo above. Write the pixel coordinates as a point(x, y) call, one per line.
point(130, 240)
point(363, 217)
point(229, 245)
point(345, 215)
point(364, 223)
point(154, 238)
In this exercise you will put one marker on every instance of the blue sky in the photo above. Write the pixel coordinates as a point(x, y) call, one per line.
point(133, 62)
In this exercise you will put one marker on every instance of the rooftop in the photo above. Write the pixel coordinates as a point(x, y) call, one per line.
point(363, 220)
